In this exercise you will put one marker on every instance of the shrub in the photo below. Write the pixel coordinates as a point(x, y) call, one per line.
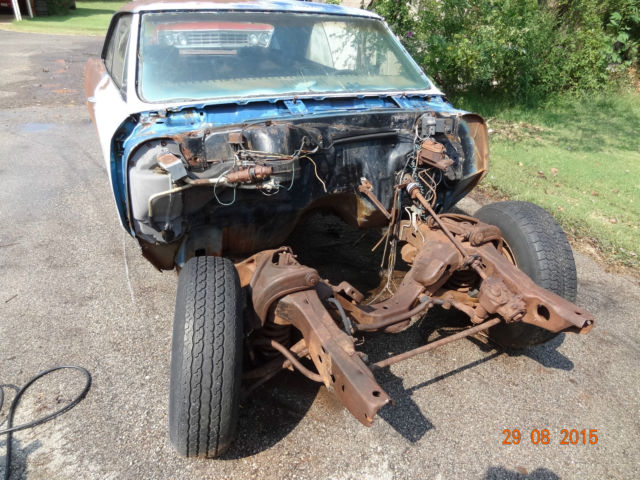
point(59, 7)
point(621, 19)
point(522, 49)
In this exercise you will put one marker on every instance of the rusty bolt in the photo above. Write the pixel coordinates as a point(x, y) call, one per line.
point(311, 279)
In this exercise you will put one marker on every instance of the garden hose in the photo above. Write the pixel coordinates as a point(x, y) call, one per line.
point(16, 400)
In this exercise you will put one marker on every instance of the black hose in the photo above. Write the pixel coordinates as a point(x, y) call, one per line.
point(363, 138)
point(16, 400)
point(348, 327)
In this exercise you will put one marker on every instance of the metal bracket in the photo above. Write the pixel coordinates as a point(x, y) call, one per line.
point(341, 368)
point(296, 107)
point(402, 101)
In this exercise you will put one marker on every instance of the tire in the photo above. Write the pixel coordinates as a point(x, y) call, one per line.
point(539, 248)
point(206, 358)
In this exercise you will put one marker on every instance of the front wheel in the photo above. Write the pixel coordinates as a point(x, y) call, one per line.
point(206, 358)
point(538, 246)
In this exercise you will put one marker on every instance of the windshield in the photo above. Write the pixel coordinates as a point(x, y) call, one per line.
point(208, 55)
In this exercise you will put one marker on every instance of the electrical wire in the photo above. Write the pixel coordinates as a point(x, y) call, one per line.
point(431, 184)
point(273, 156)
point(10, 430)
point(216, 195)
point(391, 244)
point(293, 173)
point(315, 170)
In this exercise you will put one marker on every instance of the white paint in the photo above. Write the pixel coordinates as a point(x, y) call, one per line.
point(16, 9)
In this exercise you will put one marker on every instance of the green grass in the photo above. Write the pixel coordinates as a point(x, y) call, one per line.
point(89, 18)
point(577, 158)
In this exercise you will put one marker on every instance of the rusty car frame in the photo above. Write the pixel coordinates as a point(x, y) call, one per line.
point(224, 125)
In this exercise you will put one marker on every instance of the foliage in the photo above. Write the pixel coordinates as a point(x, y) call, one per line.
point(579, 158)
point(622, 26)
point(59, 7)
point(576, 155)
point(522, 49)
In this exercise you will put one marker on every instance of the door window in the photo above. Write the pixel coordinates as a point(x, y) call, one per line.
point(116, 58)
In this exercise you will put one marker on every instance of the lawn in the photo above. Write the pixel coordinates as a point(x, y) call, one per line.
point(580, 160)
point(89, 18)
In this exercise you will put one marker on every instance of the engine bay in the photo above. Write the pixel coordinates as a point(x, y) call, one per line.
point(248, 185)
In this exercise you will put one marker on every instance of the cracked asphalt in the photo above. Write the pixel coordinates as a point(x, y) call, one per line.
point(75, 290)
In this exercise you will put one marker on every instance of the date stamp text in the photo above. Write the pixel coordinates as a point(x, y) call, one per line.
point(543, 436)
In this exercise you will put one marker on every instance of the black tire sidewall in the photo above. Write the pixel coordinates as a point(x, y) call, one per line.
point(177, 417)
point(541, 250)
point(195, 401)
point(517, 240)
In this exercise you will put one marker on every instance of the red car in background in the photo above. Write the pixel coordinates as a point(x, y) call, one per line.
point(214, 34)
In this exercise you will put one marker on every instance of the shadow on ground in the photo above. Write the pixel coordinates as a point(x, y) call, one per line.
point(270, 413)
point(501, 473)
point(340, 253)
point(19, 456)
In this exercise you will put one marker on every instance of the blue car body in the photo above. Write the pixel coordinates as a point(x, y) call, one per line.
point(351, 135)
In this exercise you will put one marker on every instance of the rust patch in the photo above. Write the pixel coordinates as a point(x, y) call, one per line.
point(276, 276)
point(434, 154)
point(456, 261)
point(250, 175)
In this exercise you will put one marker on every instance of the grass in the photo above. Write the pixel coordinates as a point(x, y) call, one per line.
point(89, 18)
point(579, 158)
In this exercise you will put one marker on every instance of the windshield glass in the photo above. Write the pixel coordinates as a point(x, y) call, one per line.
point(208, 55)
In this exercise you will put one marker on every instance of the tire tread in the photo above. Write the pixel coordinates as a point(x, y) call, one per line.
point(545, 255)
point(205, 385)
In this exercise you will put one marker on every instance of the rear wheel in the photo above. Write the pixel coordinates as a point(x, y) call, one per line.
point(206, 358)
point(538, 246)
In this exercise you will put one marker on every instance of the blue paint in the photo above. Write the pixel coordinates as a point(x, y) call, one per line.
point(296, 107)
point(119, 179)
point(153, 125)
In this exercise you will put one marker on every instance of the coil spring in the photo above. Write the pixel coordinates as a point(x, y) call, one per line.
point(462, 280)
point(279, 333)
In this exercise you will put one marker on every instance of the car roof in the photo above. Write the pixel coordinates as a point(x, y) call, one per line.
point(252, 5)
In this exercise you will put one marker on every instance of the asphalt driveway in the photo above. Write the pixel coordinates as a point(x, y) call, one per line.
point(75, 290)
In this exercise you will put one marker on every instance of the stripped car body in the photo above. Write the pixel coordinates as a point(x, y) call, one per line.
point(227, 161)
